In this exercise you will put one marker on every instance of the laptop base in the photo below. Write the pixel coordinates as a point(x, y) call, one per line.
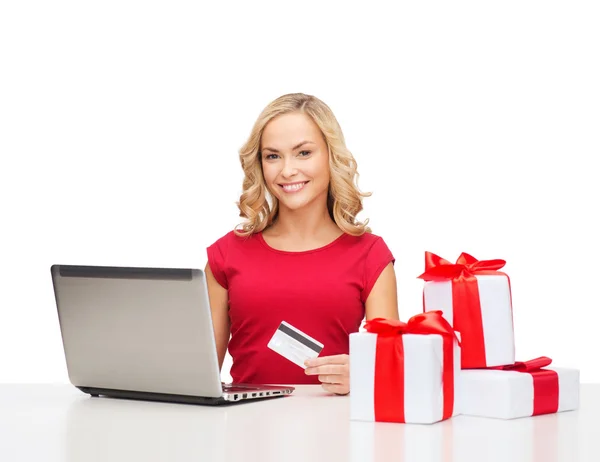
point(173, 398)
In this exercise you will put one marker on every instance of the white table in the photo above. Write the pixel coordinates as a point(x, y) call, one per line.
point(59, 423)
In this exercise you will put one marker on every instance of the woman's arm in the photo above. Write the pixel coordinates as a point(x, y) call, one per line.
point(219, 307)
point(382, 302)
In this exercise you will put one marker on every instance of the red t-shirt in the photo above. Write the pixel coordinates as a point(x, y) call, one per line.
point(322, 292)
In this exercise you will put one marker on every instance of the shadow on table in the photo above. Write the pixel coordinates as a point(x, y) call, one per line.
point(547, 438)
point(305, 428)
point(101, 429)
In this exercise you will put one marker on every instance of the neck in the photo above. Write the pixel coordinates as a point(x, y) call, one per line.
point(304, 223)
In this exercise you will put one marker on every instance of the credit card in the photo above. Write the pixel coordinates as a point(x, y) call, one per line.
point(294, 345)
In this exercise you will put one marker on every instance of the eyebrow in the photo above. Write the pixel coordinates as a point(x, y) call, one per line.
point(294, 148)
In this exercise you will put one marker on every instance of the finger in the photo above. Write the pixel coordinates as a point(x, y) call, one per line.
point(337, 388)
point(322, 360)
point(331, 379)
point(327, 369)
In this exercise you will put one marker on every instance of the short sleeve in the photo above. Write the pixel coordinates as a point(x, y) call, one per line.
point(378, 257)
point(217, 253)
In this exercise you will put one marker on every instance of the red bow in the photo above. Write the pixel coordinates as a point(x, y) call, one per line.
point(528, 366)
point(430, 322)
point(439, 269)
point(389, 362)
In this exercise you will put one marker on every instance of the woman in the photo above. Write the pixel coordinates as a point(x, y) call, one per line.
point(301, 256)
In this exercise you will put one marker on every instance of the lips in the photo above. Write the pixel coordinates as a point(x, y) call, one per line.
point(293, 187)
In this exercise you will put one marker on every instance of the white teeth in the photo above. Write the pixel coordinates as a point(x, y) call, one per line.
point(294, 187)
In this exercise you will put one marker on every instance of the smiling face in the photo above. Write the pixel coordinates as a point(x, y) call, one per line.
point(295, 161)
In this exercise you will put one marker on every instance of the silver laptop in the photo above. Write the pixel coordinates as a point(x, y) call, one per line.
point(143, 333)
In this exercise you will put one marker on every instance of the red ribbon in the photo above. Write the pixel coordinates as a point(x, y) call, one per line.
point(389, 362)
point(545, 383)
point(465, 299)
point(439, 269)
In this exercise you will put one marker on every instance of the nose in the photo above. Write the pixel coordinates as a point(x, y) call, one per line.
point(289, 168)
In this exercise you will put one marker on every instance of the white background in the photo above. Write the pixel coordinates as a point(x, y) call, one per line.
point(475, 124)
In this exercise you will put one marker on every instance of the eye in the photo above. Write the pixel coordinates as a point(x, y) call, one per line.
point(270, 156)
point(307, 153)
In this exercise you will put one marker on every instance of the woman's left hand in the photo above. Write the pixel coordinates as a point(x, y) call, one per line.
point(333, 372)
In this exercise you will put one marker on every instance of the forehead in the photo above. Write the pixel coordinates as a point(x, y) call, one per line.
point(286, 130)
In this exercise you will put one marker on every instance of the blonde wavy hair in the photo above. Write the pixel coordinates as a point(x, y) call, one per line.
point(344, 200)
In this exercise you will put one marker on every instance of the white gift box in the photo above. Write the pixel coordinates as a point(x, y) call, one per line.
point(510, 394)
point(423, 373)
point(496, 317)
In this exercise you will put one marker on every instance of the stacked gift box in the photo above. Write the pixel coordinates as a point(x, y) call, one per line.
point(457, 357)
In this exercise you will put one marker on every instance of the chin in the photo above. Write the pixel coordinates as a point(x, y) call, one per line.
point(292, 204)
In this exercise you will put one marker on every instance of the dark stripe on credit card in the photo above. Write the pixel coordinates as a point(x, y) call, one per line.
point(303, 340)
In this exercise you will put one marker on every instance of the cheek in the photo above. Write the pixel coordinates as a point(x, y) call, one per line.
point(320, 172)
point(268, 174)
